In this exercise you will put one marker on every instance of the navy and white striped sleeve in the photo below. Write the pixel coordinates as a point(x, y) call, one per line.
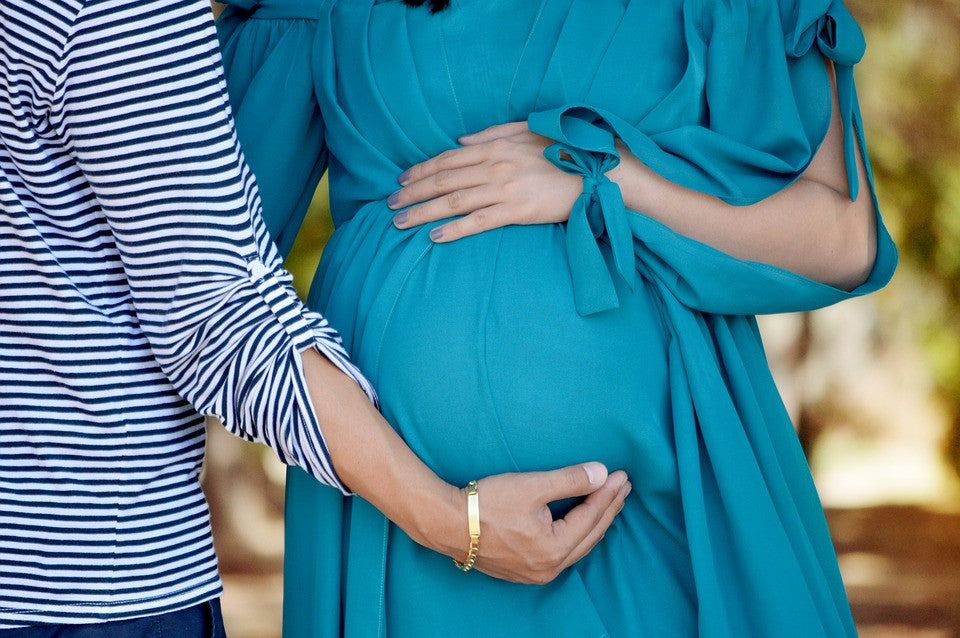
point(146, 114)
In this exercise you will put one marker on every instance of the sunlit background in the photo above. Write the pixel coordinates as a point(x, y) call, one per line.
point(873, 384)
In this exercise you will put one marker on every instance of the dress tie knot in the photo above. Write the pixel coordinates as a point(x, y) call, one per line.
point(597, 226)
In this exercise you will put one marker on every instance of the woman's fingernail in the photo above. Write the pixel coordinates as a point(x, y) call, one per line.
point(404, 177)
point(401, 218)
point(393, 199)
point(596, 473)
point(436, 234)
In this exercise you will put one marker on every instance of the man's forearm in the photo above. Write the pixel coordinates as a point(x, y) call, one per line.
point(375, 463)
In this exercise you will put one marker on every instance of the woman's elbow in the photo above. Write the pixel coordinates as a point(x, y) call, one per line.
point(858, 250)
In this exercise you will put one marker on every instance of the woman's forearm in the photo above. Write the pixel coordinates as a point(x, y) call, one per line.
point(810, 228)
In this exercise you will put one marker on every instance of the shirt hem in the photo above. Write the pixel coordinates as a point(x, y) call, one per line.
point(80, 614)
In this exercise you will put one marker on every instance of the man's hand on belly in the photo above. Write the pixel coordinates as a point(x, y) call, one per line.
point(519, 541)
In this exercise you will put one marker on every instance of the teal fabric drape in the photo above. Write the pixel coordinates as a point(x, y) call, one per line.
point(609, 337)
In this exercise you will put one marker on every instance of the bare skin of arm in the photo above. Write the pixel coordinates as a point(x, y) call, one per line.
point(811, 228)
point(519, 539)
point(499, 177)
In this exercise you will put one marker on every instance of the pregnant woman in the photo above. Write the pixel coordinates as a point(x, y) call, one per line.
point(649, 176)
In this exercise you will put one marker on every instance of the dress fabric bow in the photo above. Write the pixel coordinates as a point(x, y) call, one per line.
point(598, 212)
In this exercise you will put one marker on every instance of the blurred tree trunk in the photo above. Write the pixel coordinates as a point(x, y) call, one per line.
point(243, 483)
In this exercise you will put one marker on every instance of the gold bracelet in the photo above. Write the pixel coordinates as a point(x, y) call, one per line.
point(473, 519)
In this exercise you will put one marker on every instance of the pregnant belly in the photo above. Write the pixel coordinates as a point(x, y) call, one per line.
point(482, 362)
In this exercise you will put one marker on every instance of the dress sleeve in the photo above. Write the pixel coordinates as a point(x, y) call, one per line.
point(282, 139)
point(761, 100)
point(145, 114)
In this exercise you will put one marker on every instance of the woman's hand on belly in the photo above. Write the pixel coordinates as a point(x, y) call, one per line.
point(519, 540)
point(497, 178)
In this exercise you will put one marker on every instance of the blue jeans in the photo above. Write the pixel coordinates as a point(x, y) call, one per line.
point(200, 621)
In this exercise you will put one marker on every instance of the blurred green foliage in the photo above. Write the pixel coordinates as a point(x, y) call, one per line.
point(307, 249)
point(909, 87)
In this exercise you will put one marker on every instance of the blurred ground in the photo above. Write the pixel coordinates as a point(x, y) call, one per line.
point(901, 566)
point(252, 605)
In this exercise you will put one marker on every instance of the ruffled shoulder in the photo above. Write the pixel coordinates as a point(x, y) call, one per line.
point(803, 24)
point(278, 9)
point(246, 5)
point(754, 103)
point(744, 122)
point(826, 24)
point(766, 84)
point(267, 51)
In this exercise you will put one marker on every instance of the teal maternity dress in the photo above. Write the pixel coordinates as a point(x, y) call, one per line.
point(609, 337)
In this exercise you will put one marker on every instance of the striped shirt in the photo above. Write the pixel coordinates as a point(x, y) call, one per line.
point(139, 290)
